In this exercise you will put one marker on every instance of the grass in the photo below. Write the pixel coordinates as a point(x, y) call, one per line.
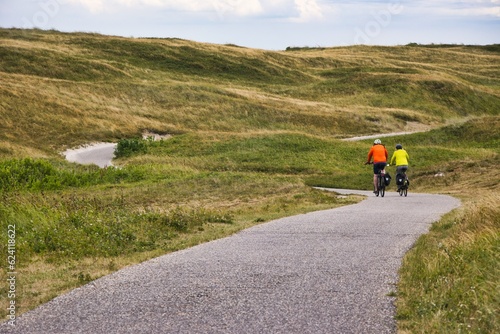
point(252, 131)
point(449, 281)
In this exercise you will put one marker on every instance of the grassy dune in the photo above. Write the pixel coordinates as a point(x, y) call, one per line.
point(106, 88)
point(252, 131)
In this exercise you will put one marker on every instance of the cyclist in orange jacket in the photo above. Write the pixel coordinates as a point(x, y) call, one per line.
point(379, 154)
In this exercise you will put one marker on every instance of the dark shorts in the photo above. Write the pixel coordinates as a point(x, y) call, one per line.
point(401, 169)
point(378, 167)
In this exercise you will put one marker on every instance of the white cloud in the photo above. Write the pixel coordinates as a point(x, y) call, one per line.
point(94, 6)
point(236, 7)
point(308, 10)
point(294, 10)
point(471, 8)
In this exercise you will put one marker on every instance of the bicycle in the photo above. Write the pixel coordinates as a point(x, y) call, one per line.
point(402, 188)
point(380, 182)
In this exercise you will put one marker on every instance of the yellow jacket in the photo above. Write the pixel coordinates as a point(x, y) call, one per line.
point(400, 157)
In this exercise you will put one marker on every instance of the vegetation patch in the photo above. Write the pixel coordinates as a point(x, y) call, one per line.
point(449, 281)
point(38, 174)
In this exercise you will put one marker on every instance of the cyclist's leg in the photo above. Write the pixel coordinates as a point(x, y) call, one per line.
point(376, 171)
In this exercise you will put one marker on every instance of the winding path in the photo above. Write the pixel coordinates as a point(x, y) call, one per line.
point(330, 271)
point(100, 154)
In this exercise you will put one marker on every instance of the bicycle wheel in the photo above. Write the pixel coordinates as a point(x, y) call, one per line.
point(400, 191)
point(405, 190)
point(381, 185)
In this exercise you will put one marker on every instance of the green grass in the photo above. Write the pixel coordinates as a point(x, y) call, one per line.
point(252, 131)
point(35, 175)
point(75, 227)
point(449, 281)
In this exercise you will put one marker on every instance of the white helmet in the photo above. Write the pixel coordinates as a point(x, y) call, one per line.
point(377, 141)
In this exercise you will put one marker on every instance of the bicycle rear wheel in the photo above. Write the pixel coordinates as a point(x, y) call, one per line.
point(381, 185)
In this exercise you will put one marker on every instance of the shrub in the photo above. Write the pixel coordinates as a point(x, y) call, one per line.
point(128, 147)
point(28, 174)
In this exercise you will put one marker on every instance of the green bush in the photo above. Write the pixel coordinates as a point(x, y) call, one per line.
point(128, 147)
point(28, 174)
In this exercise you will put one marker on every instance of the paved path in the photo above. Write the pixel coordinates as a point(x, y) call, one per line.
point(100, 154)
point(381, 135)
point(323, 272)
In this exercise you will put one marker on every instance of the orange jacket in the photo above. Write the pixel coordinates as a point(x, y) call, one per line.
point(379, 154)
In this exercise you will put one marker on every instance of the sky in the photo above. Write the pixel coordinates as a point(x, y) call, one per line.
point(268, 24)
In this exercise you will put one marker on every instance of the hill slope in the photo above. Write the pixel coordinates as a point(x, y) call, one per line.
point(60, 90)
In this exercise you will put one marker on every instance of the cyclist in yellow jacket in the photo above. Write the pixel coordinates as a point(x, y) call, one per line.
point(400, 157)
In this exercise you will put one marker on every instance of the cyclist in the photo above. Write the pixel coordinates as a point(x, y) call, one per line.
point(400, 158)
point(379, 154)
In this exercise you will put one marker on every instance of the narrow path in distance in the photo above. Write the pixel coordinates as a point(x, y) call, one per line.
point(382, 135)
point(100, 154)
point(331, 271)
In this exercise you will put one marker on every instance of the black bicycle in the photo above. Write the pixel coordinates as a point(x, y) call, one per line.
point(403, 183)
point(380, 182)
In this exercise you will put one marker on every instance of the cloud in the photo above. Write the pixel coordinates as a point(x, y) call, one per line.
point(94, 6)
point(236, 7)
point(308, 10)
point(463, 8)
point(240, 8)
point(293, 10)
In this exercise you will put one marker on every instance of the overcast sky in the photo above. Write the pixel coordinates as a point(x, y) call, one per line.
point(268, 24)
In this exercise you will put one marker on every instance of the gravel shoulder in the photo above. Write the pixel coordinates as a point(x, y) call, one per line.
point(329, 271)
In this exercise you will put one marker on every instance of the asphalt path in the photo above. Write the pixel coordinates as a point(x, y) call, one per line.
point(329, 271)
point(99, 154)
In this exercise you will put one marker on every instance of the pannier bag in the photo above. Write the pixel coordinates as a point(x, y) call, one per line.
point(400, 179)
point(387, 179)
